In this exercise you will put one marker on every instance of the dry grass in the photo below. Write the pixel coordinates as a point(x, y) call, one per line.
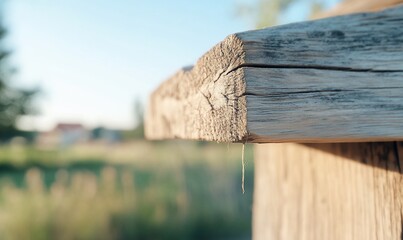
point(138, 190)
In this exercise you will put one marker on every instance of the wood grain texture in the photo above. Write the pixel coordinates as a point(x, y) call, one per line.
point(201, 102)
point(303, 105)
point(330, 80)
point(328, 191)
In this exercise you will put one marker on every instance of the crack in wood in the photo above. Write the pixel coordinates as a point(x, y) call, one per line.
point(208, 100)
point(317, 67)
point(276, 94)
point(396, 153)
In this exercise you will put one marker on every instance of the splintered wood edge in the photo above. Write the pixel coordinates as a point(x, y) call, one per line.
point(314, 81)
point(203, 102)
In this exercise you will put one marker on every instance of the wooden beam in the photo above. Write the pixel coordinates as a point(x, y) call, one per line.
point(331, 80)
point(328, 191)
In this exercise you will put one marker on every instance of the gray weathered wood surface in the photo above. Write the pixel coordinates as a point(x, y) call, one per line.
point(331, 80)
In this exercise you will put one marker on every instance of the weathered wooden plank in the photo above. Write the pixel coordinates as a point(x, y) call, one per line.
point(330, 80)
point(328, 191)
point(201, 102)
point(304, 106)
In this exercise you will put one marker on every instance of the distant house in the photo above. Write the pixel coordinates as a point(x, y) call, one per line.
point(65, 134)
point(70, 133)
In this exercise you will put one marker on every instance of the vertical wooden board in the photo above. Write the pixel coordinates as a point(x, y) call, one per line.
point(328, 191)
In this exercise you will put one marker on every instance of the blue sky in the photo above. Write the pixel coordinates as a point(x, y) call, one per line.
point(93, 58)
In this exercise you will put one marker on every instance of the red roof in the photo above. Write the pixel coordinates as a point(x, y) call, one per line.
point(69, 126)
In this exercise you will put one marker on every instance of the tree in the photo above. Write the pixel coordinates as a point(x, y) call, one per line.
point(14, 102)
point(138, 131)
point(267, 13)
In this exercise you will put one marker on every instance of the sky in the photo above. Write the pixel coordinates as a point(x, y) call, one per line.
point(92, 59)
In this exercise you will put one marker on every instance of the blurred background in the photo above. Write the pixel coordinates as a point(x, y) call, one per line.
point(74, 80)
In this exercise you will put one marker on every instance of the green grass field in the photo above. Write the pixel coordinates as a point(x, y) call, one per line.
point(138, 190)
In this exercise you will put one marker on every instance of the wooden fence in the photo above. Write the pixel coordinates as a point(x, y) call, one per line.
point(323, 84)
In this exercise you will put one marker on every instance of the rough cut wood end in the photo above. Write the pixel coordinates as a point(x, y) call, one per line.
point(331, 80)
point(203, 102)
